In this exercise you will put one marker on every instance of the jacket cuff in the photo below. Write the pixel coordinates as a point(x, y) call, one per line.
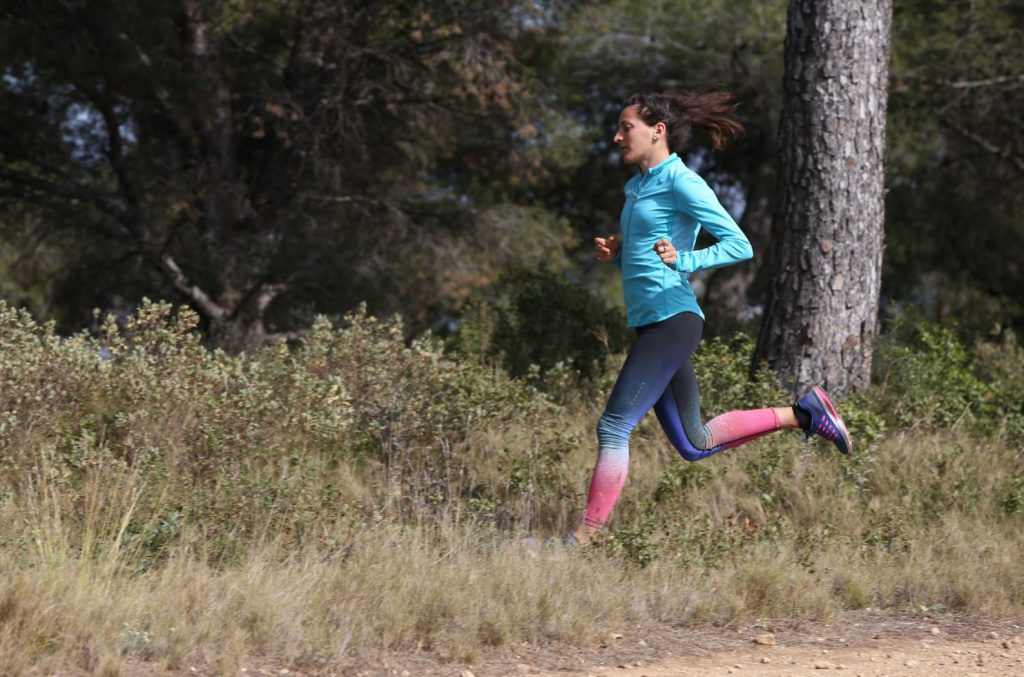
point(684, 263)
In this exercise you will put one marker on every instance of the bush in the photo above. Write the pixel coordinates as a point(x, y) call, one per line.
point(261, 502)
point(265, 442)
point(537, 319)
point(722, 365)
point(927, 376)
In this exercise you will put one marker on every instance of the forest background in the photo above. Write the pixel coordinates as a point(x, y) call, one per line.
point(411, 154)
point(298, 170)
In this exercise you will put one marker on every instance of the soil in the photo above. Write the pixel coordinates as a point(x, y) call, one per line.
point(871, 644)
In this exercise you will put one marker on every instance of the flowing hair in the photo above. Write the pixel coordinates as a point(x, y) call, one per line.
point(683, 111)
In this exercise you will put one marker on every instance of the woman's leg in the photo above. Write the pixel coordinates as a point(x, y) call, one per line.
point(678, 411)
point(654, 358)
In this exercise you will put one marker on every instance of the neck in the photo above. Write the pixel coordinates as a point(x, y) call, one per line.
point(657, 155)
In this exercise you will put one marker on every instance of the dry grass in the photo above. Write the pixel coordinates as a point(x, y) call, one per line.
point(151, 510)
point(457, 589)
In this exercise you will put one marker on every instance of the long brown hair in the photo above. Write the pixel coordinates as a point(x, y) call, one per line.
point(683, 111)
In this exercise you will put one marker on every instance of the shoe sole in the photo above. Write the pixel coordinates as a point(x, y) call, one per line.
point(827, 403)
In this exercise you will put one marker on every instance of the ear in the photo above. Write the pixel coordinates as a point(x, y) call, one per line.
point(660, 129)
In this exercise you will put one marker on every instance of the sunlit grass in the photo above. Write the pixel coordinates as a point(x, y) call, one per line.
point(183, 507)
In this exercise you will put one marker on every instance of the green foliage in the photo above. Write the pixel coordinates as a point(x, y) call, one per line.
point(339, 166)
point(888, 530)
point(541, 473)
point(243, 444)
point(925, 374)
point(954, 158)
point(679, 477)
point(140, 438)
point(539, 320)
point(1013, 496)
point(1000, 365)
point(638, 544)
point(928, 377)
point(722, 366)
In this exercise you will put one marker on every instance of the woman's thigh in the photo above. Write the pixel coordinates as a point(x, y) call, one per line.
point(658, 353)
point(678, 411)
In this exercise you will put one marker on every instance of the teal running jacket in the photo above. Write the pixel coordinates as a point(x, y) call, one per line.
point(672, 201)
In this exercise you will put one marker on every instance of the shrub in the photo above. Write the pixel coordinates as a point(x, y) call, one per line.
point(538, 318)
point(722, 366)
point(925, 376)
point(180, 437)
point(928, 377)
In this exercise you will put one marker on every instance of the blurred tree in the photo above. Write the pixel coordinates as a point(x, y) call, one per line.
point(261, 158)
point(409, 152)
point(955, 207)
point(822, 309)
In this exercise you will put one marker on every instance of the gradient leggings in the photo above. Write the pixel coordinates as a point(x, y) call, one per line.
point(658, 373)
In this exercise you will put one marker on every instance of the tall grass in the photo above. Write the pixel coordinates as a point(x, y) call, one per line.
point(163, 502)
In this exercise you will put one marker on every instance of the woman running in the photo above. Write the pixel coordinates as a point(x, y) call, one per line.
point(666, 205)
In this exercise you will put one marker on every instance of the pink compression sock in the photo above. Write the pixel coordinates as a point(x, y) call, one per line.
point(734, 428)
point(606, 484)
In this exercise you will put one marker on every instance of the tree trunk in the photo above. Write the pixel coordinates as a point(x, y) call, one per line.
point(822, 311)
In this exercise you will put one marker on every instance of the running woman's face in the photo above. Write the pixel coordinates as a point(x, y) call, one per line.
point(634, 137)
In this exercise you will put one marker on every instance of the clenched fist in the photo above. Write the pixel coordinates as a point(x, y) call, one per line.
point(666, 251)
point(606, 248)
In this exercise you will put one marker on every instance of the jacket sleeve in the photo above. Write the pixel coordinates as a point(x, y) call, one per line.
point(694, 197)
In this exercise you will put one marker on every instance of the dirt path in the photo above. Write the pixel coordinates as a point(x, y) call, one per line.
point(884, 658)
point(870, 644)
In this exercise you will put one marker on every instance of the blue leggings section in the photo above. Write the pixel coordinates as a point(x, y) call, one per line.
point(658, 372)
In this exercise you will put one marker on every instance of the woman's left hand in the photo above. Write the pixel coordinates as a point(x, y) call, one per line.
point(666, 251)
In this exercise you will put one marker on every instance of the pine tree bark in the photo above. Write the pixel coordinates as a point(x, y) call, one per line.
point(822, 311)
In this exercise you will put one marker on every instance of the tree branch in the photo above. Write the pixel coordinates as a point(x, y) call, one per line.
point(1016, 160)
point(213, 97)
point(970, 84)
point(292, 335)
point(267, 293)
point(342, 199)
point(63, 190)
point(212, 309)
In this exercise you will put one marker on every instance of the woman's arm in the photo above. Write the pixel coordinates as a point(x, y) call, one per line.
point(694, 197)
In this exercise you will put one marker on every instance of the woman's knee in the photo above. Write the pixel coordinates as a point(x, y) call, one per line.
point(613, 430)
point(692, 446)
point(691, 454)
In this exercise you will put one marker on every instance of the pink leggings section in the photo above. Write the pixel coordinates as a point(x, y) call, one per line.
point(723, 432)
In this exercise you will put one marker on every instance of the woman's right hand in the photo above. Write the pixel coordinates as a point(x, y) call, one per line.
point(606, 248)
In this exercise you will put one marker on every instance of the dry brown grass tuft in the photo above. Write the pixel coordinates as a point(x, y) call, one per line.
point(181, 507)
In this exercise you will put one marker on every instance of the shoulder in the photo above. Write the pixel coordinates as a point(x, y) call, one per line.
point(688, 183)
point(683, 175)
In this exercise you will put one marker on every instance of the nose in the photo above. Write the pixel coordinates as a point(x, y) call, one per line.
point(618, 137)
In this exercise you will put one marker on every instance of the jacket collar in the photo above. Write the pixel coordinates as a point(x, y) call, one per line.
point(653, 171)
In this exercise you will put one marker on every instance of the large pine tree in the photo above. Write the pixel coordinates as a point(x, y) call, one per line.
point(826, 271)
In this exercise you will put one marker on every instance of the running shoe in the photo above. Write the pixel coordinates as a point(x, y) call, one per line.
point(825, 420)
